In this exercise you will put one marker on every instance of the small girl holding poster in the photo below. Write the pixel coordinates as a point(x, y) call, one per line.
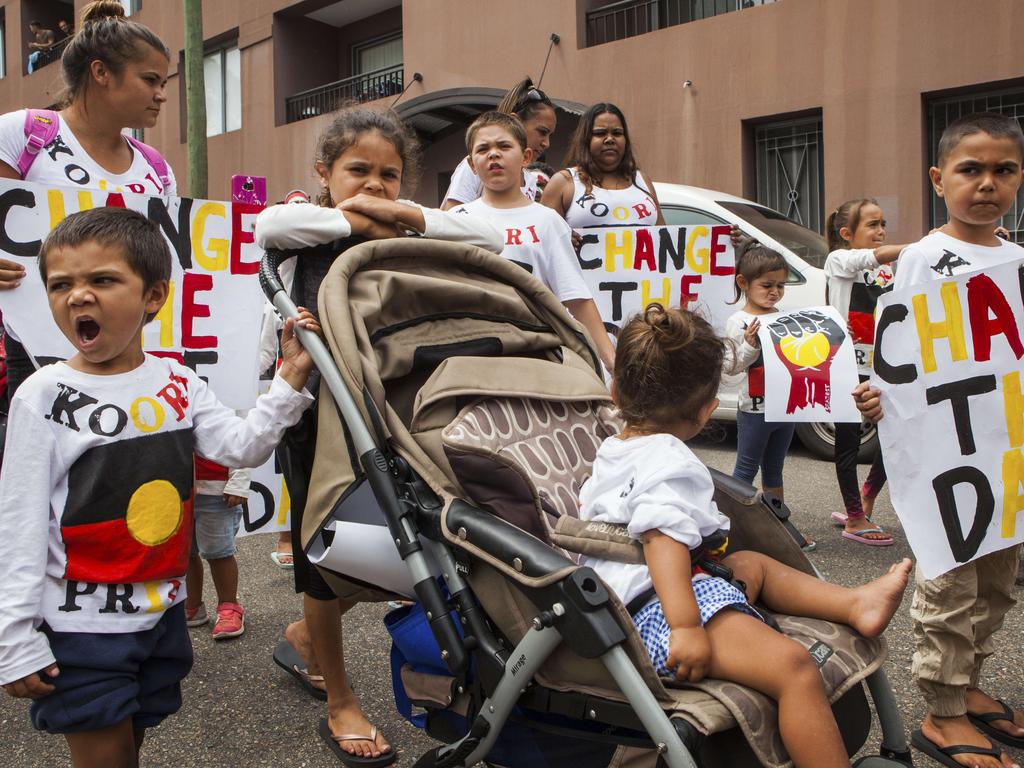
point(859, 270)
point(760, 445)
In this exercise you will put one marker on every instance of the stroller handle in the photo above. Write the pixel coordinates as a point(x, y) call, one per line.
point(270, 279)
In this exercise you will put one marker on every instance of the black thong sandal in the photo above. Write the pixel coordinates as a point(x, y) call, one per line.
point(288, 659)
point(983, 723)
point(356, 761)
point(945, 755)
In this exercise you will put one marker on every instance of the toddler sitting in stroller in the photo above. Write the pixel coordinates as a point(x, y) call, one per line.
point(694, 623)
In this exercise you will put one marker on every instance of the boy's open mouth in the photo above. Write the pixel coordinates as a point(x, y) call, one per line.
point(87, 329)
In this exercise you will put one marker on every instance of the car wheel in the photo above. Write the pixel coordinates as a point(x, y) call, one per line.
point(819, 438)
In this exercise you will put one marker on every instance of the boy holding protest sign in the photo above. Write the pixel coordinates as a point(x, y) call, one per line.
point(536, 237)
point(96, 493)
point(978, 172)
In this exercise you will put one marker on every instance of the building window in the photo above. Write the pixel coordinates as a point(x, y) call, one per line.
point(943, 111)
point(381, 53)
point(628, 18)
point(131, 6)
point(222, 74)
point(789, 169)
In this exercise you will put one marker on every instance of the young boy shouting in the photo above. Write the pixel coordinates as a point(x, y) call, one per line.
point(978, 171)
point(96, 493)
point(536, 238)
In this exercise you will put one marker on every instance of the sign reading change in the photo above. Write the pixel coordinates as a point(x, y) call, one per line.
point(627, 268)
point(211, 321)
point(947, 361)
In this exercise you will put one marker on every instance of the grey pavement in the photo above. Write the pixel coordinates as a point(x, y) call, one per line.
point(242, 710)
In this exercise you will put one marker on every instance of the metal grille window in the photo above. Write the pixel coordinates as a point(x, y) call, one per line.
point(790, 169)
point(942, 112)
point(629, 18)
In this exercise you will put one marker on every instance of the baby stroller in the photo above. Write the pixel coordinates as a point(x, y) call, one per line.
point(460, 410)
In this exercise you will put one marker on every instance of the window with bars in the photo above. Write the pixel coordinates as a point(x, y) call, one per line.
point(943, 111)
point(222, 75)
point(628, 18)
point(789, 169)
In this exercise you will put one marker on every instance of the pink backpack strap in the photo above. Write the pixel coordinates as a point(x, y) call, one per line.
point(41, 127)
point(155, 160)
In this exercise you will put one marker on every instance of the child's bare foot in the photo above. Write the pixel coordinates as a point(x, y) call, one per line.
point(297, 635)
point(953, 731)
point(980, 703)
point(875, 603)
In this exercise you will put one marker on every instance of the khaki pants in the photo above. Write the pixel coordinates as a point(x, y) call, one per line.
point(955, 617)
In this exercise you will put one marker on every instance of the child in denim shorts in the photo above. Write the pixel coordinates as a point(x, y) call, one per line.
point(220, 494)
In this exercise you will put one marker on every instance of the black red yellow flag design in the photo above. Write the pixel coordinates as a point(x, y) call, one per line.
point(128, 514)
point(806, 342)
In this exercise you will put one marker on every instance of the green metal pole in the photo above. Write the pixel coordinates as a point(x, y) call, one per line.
point(195, 99)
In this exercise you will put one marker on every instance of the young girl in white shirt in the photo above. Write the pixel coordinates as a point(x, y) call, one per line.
point(859, 270)
point(669, 362)
point(362, 159)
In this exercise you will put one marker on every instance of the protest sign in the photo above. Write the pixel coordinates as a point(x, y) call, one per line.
point(269, 506)
point(627, 268)
point(809, 366)
point(947, 361)
point(211, 321)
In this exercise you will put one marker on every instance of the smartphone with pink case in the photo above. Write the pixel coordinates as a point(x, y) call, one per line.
point(249, 189)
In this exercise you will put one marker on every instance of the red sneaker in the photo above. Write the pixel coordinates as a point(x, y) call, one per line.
point(230, 621)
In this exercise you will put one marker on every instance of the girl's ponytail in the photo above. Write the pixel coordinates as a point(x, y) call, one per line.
point(846, 215)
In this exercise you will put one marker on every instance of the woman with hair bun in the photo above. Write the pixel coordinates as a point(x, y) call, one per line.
point(114, 71)
point(536, 110)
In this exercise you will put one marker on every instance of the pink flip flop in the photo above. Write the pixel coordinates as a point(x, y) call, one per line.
point(861, 538)
point(840, 518)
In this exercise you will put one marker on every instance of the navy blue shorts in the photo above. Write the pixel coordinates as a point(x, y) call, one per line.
point(105, 678)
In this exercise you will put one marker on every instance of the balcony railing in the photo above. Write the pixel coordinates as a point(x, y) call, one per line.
point(51, 54)
point(629, 18)
point(369, 86)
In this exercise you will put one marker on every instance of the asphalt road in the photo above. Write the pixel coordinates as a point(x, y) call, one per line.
point(242, 710)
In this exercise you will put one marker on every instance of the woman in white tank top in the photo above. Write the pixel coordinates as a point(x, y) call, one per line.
point(603, 187)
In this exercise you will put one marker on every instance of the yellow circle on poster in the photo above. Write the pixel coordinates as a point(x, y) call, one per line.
point(154, 513)
point(807, 351)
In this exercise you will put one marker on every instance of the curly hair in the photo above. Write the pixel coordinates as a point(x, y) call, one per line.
point(668, 363)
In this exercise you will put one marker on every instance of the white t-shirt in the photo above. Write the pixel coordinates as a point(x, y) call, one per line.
point(633, 206)
point(855, 281)
point(742, 357)
point(95, 496)
point(646, 483)
point(537, 239)
point(63, 162)
point(465, 186)
point(938, 255)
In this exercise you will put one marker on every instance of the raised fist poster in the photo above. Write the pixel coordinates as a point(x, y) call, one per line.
point(948, 363)
point(809, 366)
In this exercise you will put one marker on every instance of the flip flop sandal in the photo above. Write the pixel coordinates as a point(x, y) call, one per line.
point(839, 518)
point(334, 742)
point(983, 723)
point(860, 538)
point(288, 659)
point(945, 755)
point(276, 557)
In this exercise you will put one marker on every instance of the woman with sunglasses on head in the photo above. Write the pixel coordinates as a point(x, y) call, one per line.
point(535, 109)
point(602, 185)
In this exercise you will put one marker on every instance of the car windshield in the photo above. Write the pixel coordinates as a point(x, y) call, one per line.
point(805, 243)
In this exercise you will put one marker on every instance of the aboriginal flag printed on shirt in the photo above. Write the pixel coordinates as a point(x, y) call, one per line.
point(869, 285)
point(128, 514)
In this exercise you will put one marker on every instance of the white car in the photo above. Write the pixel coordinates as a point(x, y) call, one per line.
point(804, 251)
